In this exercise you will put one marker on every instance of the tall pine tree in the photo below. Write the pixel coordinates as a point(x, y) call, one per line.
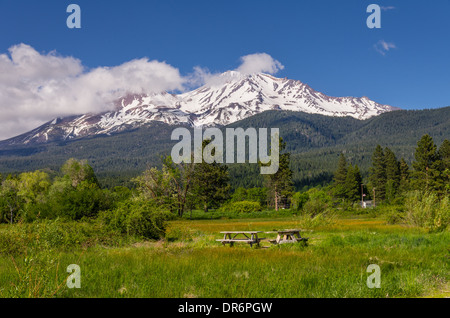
point(340, 178)
point(280, 184)
point(210, 183)
point(377, 175)
point(404, 175)
point(392, 173)
point(426, 166)
point(353, 182)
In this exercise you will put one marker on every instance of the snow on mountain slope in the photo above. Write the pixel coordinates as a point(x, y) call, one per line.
point(227, 98)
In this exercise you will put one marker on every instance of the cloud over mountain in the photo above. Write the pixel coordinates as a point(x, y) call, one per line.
point(36, 87)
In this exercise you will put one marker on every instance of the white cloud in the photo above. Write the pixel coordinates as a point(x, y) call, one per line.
point(250, 64)
point(383, 47)
point(259, 63)
point(35, 87)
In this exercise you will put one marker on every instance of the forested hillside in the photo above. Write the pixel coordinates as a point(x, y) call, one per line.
point(314, 141)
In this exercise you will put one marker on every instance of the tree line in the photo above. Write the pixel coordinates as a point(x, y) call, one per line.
point(76, 193)
point(389, 177)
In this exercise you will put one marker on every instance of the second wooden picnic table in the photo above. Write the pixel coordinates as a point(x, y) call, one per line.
point(250, 237)
point(288, 236)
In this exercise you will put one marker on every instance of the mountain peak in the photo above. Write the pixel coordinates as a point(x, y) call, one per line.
point(224, 99)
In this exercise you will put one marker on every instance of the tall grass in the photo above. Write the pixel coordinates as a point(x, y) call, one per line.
point(428, 211)
point(190, 263)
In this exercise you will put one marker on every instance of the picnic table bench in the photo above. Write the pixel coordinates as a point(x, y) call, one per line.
point(250, 237)
point(288, 236)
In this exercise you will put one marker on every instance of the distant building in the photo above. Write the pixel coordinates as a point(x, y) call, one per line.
point(366, 204)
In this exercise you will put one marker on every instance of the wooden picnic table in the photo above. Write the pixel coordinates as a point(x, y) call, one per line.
point(288, 236)
point(250, 237)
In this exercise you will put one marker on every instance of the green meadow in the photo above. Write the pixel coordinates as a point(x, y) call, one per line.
point(189, 263)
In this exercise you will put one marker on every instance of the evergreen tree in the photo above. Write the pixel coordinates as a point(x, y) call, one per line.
point(353, 184)
point(444, 156)
point(280, 184)
point(340, 177)
point(377, 175)
point(392, 173)
point(427, 165)
point(210, 182)
point(404, 175)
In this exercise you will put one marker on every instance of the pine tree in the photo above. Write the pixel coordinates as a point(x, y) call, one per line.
point(280, 184)
point(353, 183)
point(426, 165)
point(444, 154)
point(392, 173)
point(404, 175)
point(377, 175)
point(340, 177)
point(210, 183)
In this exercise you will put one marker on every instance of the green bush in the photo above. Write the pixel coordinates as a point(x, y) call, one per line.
point(428, 211)
point(299, 199)
point(242, 207)
point(137, 218)
point(46, 235)
point(394, 214)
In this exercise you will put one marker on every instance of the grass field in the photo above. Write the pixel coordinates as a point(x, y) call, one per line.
point(190, 263)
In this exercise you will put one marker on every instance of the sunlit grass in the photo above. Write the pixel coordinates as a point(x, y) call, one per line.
point(190, 263)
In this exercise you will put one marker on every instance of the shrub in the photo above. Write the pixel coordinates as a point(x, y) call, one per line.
point(299, 199)
point(426, 210)
point(315, 207)
point(137, 218)
point(394, 214)
point(242, 207)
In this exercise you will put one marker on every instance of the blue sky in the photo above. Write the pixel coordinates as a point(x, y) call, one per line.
point(325, 44)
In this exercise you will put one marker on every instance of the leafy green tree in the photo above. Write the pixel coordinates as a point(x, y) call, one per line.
point(169, 186)
point(33, 186)
point(299, 199)
point(257, 195)
point(10, 200)
point(78, 171)
point(240, 194)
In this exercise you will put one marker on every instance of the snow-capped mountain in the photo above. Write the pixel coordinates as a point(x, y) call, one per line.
point(226, 98)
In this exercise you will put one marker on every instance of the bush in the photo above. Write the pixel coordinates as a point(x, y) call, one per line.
point(242, 207)
point(138, 218)
point(46, 235)
point(394, 214)
point(315, 207)
point(426, 210)
point(299, 199)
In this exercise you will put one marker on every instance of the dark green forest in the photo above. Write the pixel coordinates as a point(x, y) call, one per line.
point(315, 142)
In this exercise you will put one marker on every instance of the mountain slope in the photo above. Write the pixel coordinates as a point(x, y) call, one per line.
point(227, 98)
point(315, 142)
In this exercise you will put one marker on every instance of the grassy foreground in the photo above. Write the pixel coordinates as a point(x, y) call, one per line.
point(190, 263)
